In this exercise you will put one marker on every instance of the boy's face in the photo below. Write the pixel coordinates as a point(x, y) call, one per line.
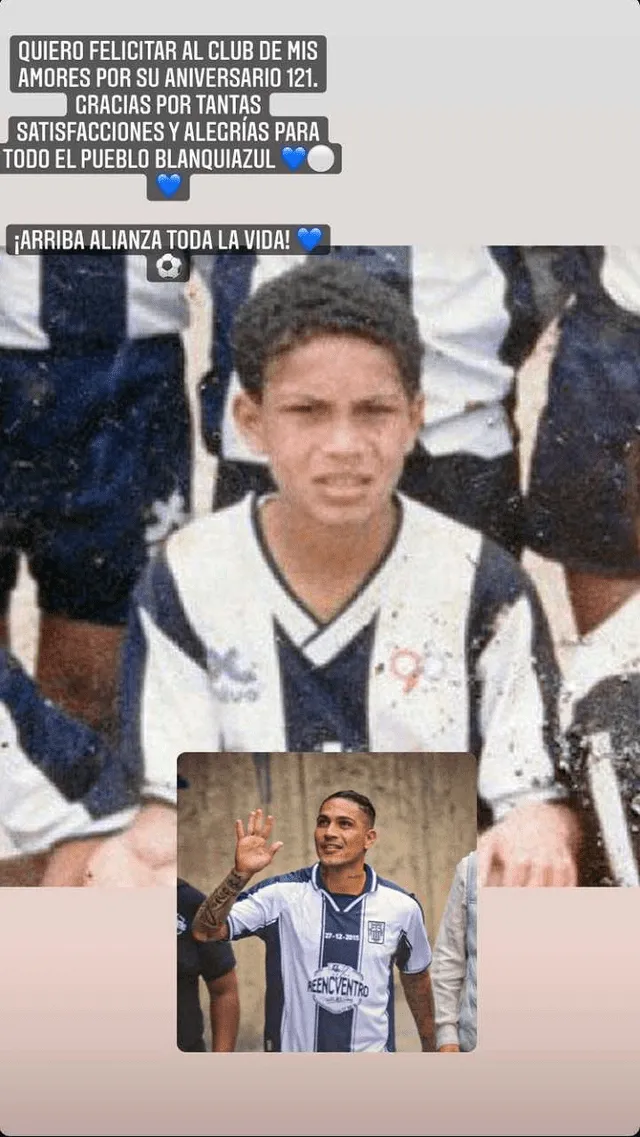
point(336, 424)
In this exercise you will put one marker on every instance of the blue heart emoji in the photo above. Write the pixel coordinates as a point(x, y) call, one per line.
point(168, 183)
point(293, 158)
point(309, 238)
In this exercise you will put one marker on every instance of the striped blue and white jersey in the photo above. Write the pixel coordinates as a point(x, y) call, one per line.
point(465, 307)
point(330, 959)
point(60, 780)
point(75, 302)
point(444, 648)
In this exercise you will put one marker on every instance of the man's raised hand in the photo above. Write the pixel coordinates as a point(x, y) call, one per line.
point(252, 851)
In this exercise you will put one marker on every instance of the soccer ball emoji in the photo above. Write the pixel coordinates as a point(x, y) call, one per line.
point(168, 266)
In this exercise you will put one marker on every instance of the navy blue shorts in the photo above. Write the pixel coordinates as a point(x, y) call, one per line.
point(582, 504)
point(95, 468)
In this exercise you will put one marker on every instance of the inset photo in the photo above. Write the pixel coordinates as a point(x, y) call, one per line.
point(358, 874)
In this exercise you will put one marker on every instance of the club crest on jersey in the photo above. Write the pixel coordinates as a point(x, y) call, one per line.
point(182, 924)
point(232, 680)
point(375, 931)
point(337, 988)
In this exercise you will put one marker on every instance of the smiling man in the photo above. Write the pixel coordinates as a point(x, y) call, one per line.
point(333, 933)
point(337, 614)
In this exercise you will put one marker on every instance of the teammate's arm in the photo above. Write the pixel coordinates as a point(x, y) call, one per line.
point(536, 836)
point(144, 856)
point(67, 863)
point(419, 996)
point(252, 855)
point(224, 1011)
point(449, 966)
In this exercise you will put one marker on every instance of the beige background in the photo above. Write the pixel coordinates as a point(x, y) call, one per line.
point(426, 823)
point(87, 1031)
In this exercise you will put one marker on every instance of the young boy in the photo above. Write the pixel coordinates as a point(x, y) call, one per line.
point(336, 614)
point(476, 310)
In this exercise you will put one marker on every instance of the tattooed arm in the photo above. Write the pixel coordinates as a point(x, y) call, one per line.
point(252, 855)
point(419, 996)
point(210, 921)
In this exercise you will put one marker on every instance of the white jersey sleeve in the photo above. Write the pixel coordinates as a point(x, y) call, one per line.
point(60, 780)
point(514, 687)
point(254, 910)
point(459, 302)
point(166, 703)
point(414, 951)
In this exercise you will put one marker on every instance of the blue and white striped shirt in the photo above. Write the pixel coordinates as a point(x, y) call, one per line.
point(444, 648)
point(330, 959)
point(80, 302)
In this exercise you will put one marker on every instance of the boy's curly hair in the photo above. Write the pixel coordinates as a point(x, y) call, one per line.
point(324, 296)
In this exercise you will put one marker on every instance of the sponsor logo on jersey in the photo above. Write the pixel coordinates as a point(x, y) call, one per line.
point(375, 931)
point(182, 924)
point(407, 666)
point(338, 988)
point(232, 681)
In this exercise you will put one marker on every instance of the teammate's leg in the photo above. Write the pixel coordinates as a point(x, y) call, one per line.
point(127, 486)
point(593, 598)
point(77, 668)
